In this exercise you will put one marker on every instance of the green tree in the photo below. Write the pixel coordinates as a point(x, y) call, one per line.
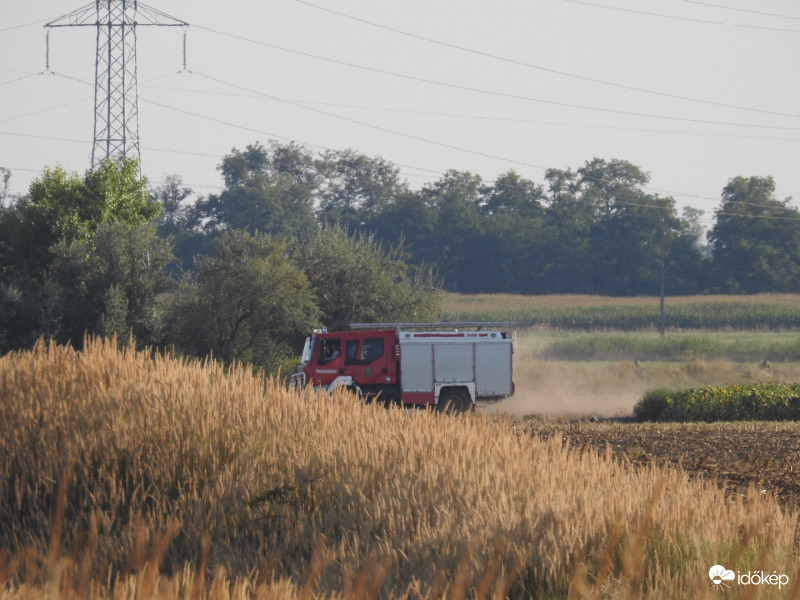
point(355, 280)
point(457, 239)
point(247, 301)
point(509, 257)
point(635, 237)
point(270, 190)
point(5, 177)
point(568, 220)
point(179, 223)
point(354, 187)
point(57, 248)
point(172, 196)
point(605, 184)
point(408, 220)
point(66, 207)
point(25, 312)
point(109, 285)
point(756, 239)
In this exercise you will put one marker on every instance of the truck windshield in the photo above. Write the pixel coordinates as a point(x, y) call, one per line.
point(308, 351)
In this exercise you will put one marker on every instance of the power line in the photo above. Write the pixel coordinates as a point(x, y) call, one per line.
point(376, 127)
point(418, 138)
point(476, 117)
point(31, 24)
point(19, 78)
point(272, 135)
point(77, 141)
point(262, 132)
point(42, 137)
point(427, 140)
point(680, 18)
point(485, 91)
point(44, 110)
point(220, 121)
point(743, 10)
point(541, 68)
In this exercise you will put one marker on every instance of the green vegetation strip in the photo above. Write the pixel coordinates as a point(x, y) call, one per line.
point(755, 402)
point(702, 315)
point(595, 347)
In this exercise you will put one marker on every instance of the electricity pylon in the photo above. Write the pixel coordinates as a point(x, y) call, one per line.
point(116, 113)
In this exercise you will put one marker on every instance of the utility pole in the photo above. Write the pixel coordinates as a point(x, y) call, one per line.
point(661, 270)
point(116, 112)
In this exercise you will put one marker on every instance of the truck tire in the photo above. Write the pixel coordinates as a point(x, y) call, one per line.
point(454, 401)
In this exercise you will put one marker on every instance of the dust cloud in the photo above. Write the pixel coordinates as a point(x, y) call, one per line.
point(566, 401)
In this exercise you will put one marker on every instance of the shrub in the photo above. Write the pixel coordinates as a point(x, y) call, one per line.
point(652, 405)
point(754, 402)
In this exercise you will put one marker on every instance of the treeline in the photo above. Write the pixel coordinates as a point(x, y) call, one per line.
point(298, 239)
point(593, 230)
point(93, 255)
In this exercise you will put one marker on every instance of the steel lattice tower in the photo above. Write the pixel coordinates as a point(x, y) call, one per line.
point(116, 113)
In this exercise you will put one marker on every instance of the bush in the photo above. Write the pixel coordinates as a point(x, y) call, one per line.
point(755, 402)
point(652, 405)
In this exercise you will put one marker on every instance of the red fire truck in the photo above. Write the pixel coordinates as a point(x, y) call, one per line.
point(449, 365)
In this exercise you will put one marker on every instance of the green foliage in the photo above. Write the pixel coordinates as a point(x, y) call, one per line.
point(755, 402)
point(355, 280)
point(178, 222)
point(266, 190)
point(603, 347)
point(25, 312)
point(107, 285)
point(652, 405)
point(110, 286)
point(64, 207)
point(593, 230)
point(247, 302)
point(78, 255)
point(755, 238)
point(355, 187)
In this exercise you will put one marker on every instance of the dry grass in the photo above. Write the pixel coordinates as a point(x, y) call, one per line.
point(129, 476)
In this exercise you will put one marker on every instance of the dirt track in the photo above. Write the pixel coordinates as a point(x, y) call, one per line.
point(765, 455)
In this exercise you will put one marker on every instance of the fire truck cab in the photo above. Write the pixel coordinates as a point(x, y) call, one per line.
point(395, 362)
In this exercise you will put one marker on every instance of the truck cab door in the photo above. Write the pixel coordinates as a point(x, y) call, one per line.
point(371, 362)
point(328, 360)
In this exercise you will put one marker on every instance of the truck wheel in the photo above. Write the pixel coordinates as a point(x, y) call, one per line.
point(454, 401)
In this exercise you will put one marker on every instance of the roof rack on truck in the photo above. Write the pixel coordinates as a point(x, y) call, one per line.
point(436, 325)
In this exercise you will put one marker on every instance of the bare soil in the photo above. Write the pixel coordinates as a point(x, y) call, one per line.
point(736, 455)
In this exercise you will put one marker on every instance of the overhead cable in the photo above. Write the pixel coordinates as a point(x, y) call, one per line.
point(485, 91)
point(681, 18)
point(541, 68)
point(743, 10)
point(477, 117)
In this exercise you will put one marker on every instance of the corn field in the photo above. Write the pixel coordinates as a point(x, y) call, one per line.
point(593, 313)
point(129, 474)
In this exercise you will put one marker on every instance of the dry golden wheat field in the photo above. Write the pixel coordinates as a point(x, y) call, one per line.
point(128, 474)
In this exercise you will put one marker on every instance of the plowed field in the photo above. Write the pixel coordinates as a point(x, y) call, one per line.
point(737, 455)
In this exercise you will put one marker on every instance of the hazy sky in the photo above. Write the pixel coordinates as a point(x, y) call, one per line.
point(694, 92)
